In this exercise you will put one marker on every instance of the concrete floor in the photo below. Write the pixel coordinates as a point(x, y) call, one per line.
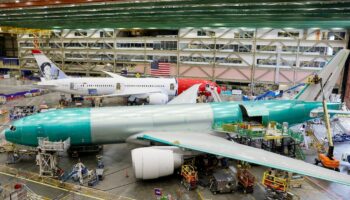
point(117, 160)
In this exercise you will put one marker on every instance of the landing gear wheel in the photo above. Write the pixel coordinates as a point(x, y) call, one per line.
point(316, 161)
point(337, 169)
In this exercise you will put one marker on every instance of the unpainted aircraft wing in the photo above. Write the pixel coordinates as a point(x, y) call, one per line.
point(207, 143)
point(330, 75)
point(319, 111)
point(188, 96)
point(113, 75)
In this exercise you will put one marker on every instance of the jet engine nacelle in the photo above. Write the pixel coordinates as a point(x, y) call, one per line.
point(158, 98)
point(152, 163)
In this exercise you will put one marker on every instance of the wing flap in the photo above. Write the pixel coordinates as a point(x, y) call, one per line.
point(211, 144)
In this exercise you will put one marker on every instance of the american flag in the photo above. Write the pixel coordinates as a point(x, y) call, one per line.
point(160, 68)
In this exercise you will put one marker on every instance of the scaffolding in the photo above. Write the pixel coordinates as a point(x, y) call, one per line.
point(248, 55)
point(47, 157)
point(276, 137)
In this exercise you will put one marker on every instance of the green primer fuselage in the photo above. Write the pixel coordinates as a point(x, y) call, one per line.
point(89, 126)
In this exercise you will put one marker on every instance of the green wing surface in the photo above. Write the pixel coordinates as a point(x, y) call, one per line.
point(215, 145)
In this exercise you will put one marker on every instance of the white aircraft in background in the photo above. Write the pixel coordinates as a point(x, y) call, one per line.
point(155, 90)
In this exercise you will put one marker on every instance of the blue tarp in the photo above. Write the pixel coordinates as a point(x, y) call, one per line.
point(17, 94)
point(9, 61)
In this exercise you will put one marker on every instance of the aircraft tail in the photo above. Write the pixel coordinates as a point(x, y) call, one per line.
point(48, 70)
point(329, 74)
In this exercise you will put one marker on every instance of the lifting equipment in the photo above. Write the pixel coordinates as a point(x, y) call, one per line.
point(47, 157)
point(245, 179)
point(189, 177)
point(272, 180)
point(281, 180)
point(327, 160)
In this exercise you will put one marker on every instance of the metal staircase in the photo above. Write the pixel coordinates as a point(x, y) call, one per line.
point(47, 155)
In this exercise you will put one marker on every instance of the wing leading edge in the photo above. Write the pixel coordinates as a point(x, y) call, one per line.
point(211, 144)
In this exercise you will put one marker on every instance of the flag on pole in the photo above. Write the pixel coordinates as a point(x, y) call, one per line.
point(160, 68)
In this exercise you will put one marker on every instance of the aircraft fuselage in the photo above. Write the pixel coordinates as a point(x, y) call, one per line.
point(89, 126)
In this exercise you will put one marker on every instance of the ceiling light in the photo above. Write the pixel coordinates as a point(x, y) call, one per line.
point(17, 1)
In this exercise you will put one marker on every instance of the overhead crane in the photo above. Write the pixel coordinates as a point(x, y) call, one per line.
point(17, 31)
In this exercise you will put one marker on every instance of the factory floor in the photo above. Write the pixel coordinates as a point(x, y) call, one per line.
point(120, 181)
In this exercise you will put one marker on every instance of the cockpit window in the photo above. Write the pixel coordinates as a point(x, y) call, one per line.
point(12, 128)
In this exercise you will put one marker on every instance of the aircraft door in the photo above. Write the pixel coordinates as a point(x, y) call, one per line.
point(119, 87)
point(172, 86)
point(172, 89)
point(72, 86)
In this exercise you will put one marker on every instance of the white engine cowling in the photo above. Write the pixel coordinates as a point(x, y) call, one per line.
point(158, 98)
point(152, 163)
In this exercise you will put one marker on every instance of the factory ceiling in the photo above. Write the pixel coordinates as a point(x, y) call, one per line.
point(173, 14)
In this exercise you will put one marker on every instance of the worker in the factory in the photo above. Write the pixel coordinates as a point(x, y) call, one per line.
point(80, 167)
point(316, 79)
point(37, 157)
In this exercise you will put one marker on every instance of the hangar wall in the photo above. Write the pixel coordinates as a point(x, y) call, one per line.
point(262, 55)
